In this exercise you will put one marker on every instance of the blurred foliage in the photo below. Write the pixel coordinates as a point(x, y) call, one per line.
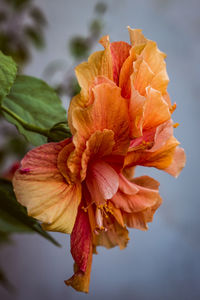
point(21, 26)
point(30, 104)
point(79, 47)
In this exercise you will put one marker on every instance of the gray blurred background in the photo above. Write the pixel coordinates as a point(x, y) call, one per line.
point(162, 263)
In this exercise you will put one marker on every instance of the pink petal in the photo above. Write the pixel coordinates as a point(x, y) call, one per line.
point(143, 195)
point(102, 181)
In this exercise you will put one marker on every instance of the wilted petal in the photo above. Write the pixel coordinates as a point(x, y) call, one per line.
point(115, 235)
point(80, 281)
point(116, 212)
point(81, 240)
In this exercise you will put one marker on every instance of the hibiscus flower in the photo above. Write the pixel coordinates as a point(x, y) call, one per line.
point(139, 69)
point(84, 185)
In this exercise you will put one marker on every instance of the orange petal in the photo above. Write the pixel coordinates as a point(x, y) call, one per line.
point(160, 81)
point(108, 111)
point(143, 78)
point(62, 161)
point(162, 134)
point(139, 220)
point(41, 188)
point(154, 57)
point(160, 159)
point(99, 63)
point(125, 74)
point(126, 186)
point(119, 52)
point(116, 213)
point(150, 65)
point(141, 198)
point(136, 111)
point(178, 162)
point(77, 101)
point(156, 110)
point(136, 36)
point(100, 144)
point(102, 181)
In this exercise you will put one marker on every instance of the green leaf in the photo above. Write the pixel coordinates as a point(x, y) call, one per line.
point(8, 70)
point(13, 216)
point(36, 103)
point(59, 132)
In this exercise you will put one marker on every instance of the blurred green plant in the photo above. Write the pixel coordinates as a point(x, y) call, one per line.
point(21, 27)
point(79, 48)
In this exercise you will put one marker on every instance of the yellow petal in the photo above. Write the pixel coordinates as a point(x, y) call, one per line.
point(99, 63)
